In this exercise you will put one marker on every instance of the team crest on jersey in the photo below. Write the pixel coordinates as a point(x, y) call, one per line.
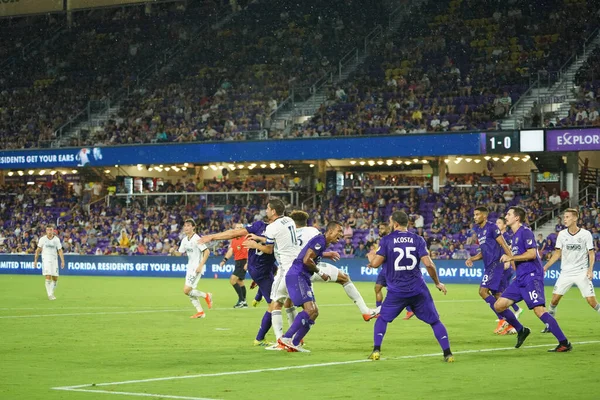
point(485, 231)
point(309, 293)
point(317, 246)
point(529, 241)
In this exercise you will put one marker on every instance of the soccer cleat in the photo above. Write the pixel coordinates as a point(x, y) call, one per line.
point(209, 301)
point(502, 324)
point(51, 297)
point(409, 315)
point(375, 355)
point(545, 330)
point(374, 313)
point(521, 336)
point(253, 285)
point(518, 313)
point(199, 315)
point(290, 346)
point(262, 343)
point(238, 305)
point(561, 348)
point(255, 303)
point(275, 347)
point(449, 358)
point(509, 330)
point(244, 305)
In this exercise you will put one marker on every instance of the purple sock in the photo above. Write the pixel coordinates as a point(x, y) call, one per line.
point(307, 323)
point(441, 334)
point(515, 307)
point(297, 324)
point(379, 333)
point(258, 296)
point(553, 327)
point(491, 300)
point(378, 303)
point(511, 319)
point(265, 325)
point(408, 309)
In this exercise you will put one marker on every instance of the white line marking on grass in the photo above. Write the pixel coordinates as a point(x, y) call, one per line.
point(161, 396)
point(293, 367)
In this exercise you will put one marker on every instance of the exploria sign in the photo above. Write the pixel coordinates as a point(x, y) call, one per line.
point(573, 139)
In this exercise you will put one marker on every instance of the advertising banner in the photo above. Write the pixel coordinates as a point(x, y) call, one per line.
point(450, 271)
point(23, 7)
point(573, 139)
point(246, 151)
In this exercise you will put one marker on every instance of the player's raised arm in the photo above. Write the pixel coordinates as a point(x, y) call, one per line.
point(253, 244)
point(229, 234)
point(432, 271)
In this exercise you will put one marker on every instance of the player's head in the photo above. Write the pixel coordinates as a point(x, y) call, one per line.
point(238, 226)
point(189, 226)
point(334, 232)
point(50, 229)
point(515, 215)
point(480, 214)
point(501, 223)
point(570, 217)
point(398, 219)
point(384, 229)
point(275, 208)
point(300, 218)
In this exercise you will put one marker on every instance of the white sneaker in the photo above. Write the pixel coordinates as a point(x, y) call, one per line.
point(518, 313)
point(275, 347)
point(289, 345)
point(51, 297)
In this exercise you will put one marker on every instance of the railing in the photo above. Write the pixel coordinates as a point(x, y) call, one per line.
point(172, 198)
point(550, 215)
point(372, 37)
point(589, 194)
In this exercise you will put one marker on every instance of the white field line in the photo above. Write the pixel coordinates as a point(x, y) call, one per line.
point(160, 396)
point(305, 366)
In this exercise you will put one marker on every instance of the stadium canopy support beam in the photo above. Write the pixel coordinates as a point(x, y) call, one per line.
point(572, 178)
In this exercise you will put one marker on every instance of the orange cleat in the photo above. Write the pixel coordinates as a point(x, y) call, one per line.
point(409, 315)
point(199, 315)
point(208, 299)
point(502, 324)
point(508, 330)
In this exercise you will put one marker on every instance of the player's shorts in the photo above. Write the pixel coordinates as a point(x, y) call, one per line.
point(381, 280)
point(565, 282)
point(529, 288)
point(279, 290)
point(492, 276)
point(506, 278)
point(192, 279)
point(328, 269)
point(422, 305)
point(50, 267)
point(299, 288)
point(239, 270)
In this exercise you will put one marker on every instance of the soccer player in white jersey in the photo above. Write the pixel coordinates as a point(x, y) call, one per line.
point(303, 235)
point(280, 240)
point(197, 256)
point(575, 246)
point(51, 249)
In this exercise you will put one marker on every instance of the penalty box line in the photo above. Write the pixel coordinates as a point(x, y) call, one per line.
point(80, 388)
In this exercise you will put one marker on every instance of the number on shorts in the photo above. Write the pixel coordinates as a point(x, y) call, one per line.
point(533, 295)
point(293, 234)
point(401, 255)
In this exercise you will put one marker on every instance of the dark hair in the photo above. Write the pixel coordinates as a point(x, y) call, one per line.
point(519, 212)
point(300, 217)
point(190, 221)
point(333, 225)
point(277, 205)
point(573, 211)
point(502, 219)
point(482, 209)
point(400, 217)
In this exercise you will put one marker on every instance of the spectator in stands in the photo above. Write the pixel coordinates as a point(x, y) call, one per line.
point(554, 198)
point(461, 253)
point(360, 251)
point(348, 248)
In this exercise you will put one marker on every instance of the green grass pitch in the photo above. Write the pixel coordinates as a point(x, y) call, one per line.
point(113, 330)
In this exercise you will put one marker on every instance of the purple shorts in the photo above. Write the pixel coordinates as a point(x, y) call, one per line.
point(506, 278)
point(381, 279)
point(299, 288)
point(421, 304)
point(492, 277)
point(529, 288)
point(264, 285)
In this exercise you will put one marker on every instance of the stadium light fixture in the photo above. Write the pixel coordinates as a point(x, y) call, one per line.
point(477, 160)
point(63, 172)
point(205, 167)
point(379, 162)
point(362, 162)
point(186, 164)
point(30, 172)
point(495, 158)
point(42, 172)
point(352, 162)
point(281, 165)
point(139, 167)
point(487, 158)
point(167, 168)
point(184, 168)
point(447, 160)
point(213, 167)
point(407, 162)
point(457, 160)
point(52, 172)
point(398, 162)
point(21, 173)
point(10, 173)
point(516, 158)
point(371, 163)
point(415, 160)
point(425, 161)
point(74, 171)
point(468, 159)
point(107, 171)
point(312, 165)
point(263, 165)
point(240, 166)
point(525, 159)
point(273, 166)
point(116, 166)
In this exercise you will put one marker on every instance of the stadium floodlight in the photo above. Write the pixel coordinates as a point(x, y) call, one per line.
point(213, 167)
point(425, 161)
point(468, 159)
point(379, 162)
point(525, 159)
point(352, 162)
point(516, 158)
point(42, 172)
point(263, 165)
point(10, 173)
point(407, 162)
point(240, 166)
point(477, 160)
point(312, 165)
point(186, 164)
point(281, 165)
point(107, 171)
point(447, 160)
point(167, 168)
point(495, 158)
point(487, 158)
point(52, 172)
point(362, 163)
point(371, 163)
point(30, 172)
point(205, 167)
point(398, 162)
point(184, 168)
point(21, 173)
point(74, 171)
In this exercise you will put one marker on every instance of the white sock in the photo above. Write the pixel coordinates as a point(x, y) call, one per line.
point(552, 310)
point(597, 308)
point(354, 294)
point(277, 321)
point(197, 293)
point(291, 315)
point(195, 303)
point(49, 287)
point(54, 284)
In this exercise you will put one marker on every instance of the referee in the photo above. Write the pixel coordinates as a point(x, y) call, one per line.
point(240, 255)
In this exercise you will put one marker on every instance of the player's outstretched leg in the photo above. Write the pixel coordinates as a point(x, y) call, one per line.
point(501, 307)
point(409, 313)
point(441, 334)
point(265, 325)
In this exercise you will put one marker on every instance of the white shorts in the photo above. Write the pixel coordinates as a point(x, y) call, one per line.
point(564, 283)
point(50, 268)
point(328, 269)
point(192, 279)
point(279, 290)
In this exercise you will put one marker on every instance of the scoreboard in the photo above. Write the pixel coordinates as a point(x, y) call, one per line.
point(504, 142)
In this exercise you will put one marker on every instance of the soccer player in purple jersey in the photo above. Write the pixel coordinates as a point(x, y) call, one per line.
point(508, 272)
point(261, 267)
point(492, 246)
point(400, 253)
point(529, 284)
point(299, 286)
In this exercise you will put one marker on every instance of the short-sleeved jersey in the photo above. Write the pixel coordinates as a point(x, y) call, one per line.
point(259, 263)
point(403, 252)
point(304, 234)
point(523, 240)
point(490, 249)
point(193, 250)
point(317, 244)
point(282, 234)
point(50, 248)
point(239, 251)
point(574, 250)
point(508, 237)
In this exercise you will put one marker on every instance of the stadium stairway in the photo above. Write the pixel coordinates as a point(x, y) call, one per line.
point(556, 98)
